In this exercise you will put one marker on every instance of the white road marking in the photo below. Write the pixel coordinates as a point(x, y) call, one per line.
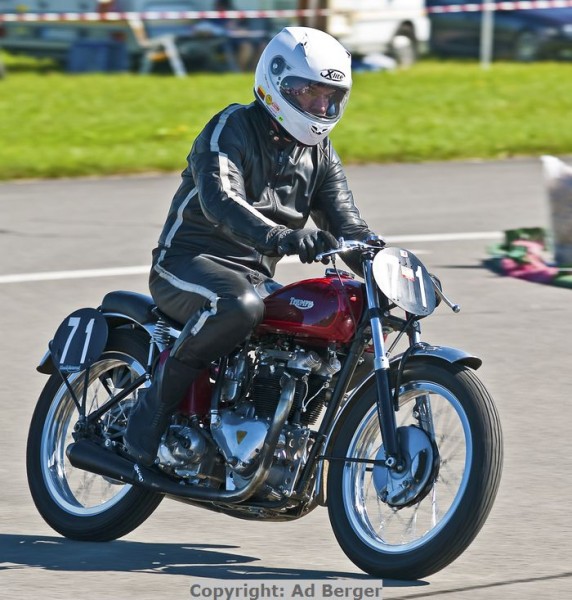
point(83, 274)
point(446, 237)
point(144, 269)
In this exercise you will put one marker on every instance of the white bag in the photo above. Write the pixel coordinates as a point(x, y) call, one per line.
point(558, 177)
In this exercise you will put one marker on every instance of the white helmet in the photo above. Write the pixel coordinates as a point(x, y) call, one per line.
point(303, 79)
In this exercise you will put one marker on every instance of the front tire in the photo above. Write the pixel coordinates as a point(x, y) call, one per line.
point(424, 536)
point(78, 504)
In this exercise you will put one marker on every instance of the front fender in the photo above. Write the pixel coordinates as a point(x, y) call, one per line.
point(364, 372)
point(420, 351)
point(446, 353)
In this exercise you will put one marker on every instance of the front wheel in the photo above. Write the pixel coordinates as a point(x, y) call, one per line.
point(450, 436)
point(78, 504)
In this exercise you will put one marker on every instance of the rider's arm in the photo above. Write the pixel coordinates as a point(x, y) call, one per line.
point(217, 166)
point(333, 207)
point(335, 211)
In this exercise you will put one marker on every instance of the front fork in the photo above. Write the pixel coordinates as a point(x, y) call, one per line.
point(385, 405)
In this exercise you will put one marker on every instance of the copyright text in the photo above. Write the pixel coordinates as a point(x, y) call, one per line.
point(288, 590)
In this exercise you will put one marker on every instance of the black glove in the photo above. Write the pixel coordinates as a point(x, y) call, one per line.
point(307, 243)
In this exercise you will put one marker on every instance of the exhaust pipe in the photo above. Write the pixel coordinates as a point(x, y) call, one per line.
point(89, 456)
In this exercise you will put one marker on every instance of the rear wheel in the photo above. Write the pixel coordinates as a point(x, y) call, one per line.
point(78, 504)
point(410, 525)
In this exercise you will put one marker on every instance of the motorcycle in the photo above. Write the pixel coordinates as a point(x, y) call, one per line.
point(315, 408)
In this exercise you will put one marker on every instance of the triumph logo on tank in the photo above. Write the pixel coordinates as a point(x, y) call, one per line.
point(301, 304)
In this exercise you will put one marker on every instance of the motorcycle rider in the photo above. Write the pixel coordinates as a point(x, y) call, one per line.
point(255, 174)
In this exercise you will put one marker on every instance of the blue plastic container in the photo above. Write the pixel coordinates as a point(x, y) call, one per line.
point(93, 56)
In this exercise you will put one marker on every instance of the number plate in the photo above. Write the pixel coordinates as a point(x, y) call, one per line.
point(402, 277)
point(79, 340)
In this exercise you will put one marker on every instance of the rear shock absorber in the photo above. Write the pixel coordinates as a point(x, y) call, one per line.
point(162, 333)
point(161, 339)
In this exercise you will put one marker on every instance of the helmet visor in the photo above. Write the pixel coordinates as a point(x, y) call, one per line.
point(315, 98)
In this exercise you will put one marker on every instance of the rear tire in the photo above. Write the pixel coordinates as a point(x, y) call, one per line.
point(427, 534)
point(78, 504)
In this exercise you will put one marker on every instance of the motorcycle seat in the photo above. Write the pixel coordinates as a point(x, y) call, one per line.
point(137, 306)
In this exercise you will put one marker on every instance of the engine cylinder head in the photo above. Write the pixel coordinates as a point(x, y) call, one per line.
point(266, 391)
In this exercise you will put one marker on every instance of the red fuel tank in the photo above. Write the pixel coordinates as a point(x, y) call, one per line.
point(322, 308)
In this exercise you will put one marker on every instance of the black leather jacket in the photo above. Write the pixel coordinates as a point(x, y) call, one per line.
point(246, 185)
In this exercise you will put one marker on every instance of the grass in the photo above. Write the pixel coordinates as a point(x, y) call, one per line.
point(53, 124)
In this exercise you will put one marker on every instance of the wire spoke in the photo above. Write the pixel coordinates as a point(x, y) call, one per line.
point(76, 490)
point(394, 527)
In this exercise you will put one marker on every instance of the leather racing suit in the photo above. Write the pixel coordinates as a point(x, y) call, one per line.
point(245, 187)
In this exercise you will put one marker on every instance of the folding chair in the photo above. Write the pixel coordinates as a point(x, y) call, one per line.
point(156, 49)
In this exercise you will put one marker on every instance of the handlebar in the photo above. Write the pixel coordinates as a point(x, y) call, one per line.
point(377, 243)
point(373, 243)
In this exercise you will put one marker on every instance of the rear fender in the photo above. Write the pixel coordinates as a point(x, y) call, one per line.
point(114, 321)
point(418, 352)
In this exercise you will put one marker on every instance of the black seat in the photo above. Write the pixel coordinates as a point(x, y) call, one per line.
point(137, 306)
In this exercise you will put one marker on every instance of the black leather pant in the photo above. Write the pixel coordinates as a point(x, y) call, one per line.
point(217, 301)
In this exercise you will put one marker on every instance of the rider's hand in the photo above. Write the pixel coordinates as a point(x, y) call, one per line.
point(375, 240)
point(307, 243)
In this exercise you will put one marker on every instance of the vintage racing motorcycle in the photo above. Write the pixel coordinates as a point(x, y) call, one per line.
point(316, 408)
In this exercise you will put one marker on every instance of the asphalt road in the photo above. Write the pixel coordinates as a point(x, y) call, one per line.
point(449, 214)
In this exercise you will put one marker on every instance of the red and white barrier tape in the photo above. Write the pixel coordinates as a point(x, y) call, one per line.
point(161, 15)
point(262, 14)
point(499, 6)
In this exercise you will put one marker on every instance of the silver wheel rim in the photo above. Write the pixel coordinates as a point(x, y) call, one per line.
point(395, 531)
point(76, 491)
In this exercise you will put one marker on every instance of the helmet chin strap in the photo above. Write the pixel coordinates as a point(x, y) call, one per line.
point(281, 132)
point(277, 132)
point(281, 136)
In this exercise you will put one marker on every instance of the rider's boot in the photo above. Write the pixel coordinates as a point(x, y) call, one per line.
point(150, 416)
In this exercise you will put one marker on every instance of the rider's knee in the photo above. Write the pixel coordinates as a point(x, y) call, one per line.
point(245, 311)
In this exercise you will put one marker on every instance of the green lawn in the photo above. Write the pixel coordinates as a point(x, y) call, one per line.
point(53, 124)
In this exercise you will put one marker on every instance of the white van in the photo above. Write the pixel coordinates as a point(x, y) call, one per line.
point(397, 27)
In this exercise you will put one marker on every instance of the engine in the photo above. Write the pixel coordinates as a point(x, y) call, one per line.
point(227, 446)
